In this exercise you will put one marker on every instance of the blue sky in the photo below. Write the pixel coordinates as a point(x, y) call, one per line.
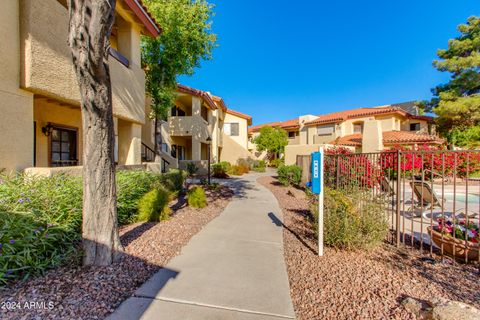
point(278, 59)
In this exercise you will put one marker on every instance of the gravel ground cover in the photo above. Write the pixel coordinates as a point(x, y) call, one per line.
point(359, 285)
point(76, 292)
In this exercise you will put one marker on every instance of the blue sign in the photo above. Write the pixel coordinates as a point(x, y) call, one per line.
point(316, 172)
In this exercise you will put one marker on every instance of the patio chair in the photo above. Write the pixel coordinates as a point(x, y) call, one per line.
point(426, 198)
point(386, 187)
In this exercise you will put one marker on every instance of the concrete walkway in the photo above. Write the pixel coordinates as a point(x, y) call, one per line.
point(233, 269)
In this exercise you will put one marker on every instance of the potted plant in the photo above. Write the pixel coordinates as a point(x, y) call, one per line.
point(458, 238)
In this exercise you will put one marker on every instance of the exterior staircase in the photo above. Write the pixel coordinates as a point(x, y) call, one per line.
point(167, 161)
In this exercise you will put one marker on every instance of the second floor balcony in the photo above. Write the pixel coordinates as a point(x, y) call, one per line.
point(47, 67)
point(194, 126)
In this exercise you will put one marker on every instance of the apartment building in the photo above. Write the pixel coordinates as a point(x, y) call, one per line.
point(40, 118)
point(198, 126)
point(363, 130)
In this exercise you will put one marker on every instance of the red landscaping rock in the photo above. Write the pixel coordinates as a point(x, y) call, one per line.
point(361, 285)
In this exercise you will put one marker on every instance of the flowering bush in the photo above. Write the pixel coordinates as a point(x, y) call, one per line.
point(432, 160)
point(337, 150)
point(352, 170)
point(460, 228)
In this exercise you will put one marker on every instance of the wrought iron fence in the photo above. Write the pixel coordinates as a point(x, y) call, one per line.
point(431, 198)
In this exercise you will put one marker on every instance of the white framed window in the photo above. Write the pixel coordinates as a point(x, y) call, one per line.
point(231, 129)
point(326, 130)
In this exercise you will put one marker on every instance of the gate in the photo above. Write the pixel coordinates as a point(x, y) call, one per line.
point(431, 198)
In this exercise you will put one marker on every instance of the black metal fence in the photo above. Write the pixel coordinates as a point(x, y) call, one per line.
point(431, 198)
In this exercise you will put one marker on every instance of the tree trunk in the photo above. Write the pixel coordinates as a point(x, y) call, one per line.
point(90, 26)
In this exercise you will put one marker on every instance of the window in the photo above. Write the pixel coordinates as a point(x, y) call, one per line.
point(231, 129)
point(326, 130)
point(63, 147)
point(164, 147)
point(292, 134)
point(358, 128)
point(414, 126)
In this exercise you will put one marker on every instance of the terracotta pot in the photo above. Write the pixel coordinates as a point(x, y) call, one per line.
point(459, 246)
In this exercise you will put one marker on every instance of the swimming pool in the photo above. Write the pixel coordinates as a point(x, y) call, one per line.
point(461, 197)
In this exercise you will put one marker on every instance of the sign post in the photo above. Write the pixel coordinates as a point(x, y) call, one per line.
point(317, 188)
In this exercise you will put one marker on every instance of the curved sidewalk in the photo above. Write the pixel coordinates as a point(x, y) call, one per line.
point(232, 269)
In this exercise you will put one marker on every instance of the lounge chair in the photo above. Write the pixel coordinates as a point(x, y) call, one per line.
point(386, 187)
point(426, 198)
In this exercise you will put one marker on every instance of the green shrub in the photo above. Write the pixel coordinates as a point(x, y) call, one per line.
point(29, 245)
point(56, 200)
point(131, 186)
point(276, 163)
point(259, 166)
point(219, 170)
point(290, 175)
point(191, 168)
point(351, 224)
point(153, 206)
point(40, 221)
point(174, 180)
point(196, 197)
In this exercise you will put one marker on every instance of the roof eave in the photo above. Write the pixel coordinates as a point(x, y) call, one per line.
point(151, 26)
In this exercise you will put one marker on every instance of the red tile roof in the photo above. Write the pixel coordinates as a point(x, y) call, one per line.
point(391, 138)
point(198, 93)
point(241, 115)
point(220, 102)
point(142, 13)
point(341, 116)
point(289, 124)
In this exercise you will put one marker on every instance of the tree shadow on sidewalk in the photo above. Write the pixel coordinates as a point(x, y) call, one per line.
point(279, 223)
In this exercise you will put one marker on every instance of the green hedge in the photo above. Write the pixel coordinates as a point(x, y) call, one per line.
point(131, 186)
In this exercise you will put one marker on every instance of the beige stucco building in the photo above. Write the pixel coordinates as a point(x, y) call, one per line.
point(198, 124)
point(363, 130)
point(40, 119)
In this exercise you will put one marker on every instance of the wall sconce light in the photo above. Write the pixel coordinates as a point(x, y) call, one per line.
point(47, 130)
